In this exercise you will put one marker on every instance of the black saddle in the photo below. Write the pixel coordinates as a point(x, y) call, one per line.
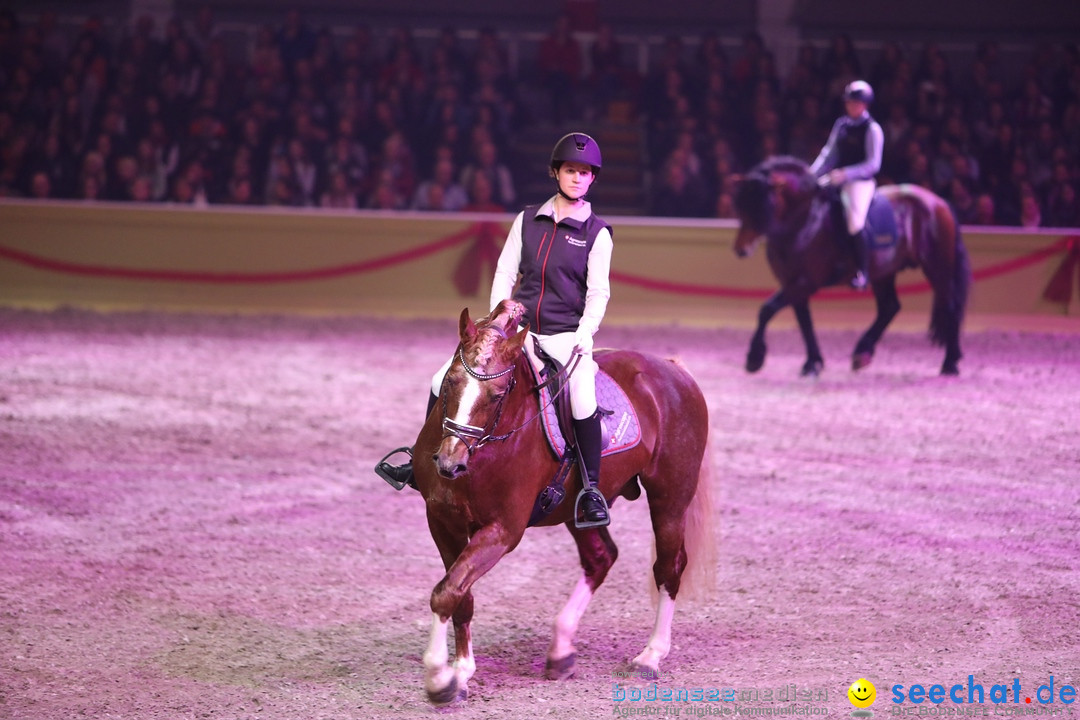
point(554, 379)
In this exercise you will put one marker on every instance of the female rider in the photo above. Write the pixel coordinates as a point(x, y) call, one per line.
point(558, 254)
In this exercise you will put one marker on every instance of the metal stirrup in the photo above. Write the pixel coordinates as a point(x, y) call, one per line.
point(381, 472)
point(584, 523)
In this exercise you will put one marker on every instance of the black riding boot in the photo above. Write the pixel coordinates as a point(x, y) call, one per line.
point(860, 248)
point(594, 509)
point(401, 475)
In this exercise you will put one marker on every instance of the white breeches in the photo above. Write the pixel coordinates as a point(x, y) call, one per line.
point(561, 347)
point(856, 196)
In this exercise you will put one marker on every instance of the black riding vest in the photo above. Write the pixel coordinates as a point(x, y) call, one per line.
point(851, 141)
point(554, 269)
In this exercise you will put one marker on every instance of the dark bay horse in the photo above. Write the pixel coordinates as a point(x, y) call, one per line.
point(781, 200)
point(481, 460)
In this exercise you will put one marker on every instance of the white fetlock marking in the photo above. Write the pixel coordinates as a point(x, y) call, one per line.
point(465, 666)
point(438, 674)
point(566, 622)
point(660, 642)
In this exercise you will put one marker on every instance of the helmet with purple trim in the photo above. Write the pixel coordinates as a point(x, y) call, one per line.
point(859, 90)
point(576, 147)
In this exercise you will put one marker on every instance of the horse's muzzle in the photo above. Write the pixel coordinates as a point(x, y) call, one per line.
point(745, 242)
point(449, 470)
point(452, 458)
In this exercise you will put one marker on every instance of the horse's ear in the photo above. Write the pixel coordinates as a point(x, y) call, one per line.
point(514, 344)
point(466, 328)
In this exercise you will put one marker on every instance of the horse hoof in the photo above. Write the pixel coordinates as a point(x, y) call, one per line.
point(950, 370)
point(753, 364)
point(812, 368)
point(446, 695)
point(560, 669)
point(644, 672)
point(861, 360)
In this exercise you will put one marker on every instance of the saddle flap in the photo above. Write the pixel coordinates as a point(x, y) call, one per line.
point(551, 380)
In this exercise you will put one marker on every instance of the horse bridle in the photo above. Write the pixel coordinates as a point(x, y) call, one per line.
point(480, 436)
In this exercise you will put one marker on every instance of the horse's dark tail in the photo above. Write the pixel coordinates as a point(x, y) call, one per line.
point(950, 300)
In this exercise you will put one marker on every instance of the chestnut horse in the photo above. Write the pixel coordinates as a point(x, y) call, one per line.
point(481, 460)
point(781, 200)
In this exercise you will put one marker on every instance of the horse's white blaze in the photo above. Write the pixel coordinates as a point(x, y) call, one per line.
point(660, 641)
point(469, 397)
point(566, 623)
point(438, 674)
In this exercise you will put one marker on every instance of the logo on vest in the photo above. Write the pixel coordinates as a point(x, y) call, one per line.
point(576, 242)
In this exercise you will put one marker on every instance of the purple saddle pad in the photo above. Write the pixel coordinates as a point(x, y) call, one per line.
point(619, 425)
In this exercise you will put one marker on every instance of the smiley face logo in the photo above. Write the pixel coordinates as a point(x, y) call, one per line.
point(862, 693)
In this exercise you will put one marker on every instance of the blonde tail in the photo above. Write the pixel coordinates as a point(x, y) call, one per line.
point(699, 579)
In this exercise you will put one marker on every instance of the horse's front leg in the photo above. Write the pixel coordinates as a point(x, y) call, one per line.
point(445, 682)
point(888, 305)
point(597, 553)
point(814, 360)
point(755, 356)
point(452, 599)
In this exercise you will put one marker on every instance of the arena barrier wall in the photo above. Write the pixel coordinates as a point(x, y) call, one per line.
point(122, 256)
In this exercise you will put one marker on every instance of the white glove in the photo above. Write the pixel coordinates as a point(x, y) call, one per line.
point(583, 341)
point(833, 177)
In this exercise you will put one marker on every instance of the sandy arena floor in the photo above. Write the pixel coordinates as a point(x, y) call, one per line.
point(190, 528)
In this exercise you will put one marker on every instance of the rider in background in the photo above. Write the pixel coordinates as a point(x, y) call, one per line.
point(561, 251)
point(850, 160)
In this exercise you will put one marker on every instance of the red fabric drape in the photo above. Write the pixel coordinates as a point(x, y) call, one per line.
point(1059, 289)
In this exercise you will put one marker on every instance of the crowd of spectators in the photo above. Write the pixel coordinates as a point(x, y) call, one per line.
point(305, 120)
point(314, 118)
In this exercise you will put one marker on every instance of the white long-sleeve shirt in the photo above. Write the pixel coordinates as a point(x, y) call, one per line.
point(598, 288)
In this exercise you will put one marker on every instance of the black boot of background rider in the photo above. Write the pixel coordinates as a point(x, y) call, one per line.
point(860, 248)
point(594, 508)
point(401, 475)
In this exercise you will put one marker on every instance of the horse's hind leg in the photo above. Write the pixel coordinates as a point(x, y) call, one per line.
point(680, 507)
point(667, 572)
point(597, 553)
point(888, 305)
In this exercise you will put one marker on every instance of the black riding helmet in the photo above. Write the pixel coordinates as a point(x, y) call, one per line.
point(576, 147)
